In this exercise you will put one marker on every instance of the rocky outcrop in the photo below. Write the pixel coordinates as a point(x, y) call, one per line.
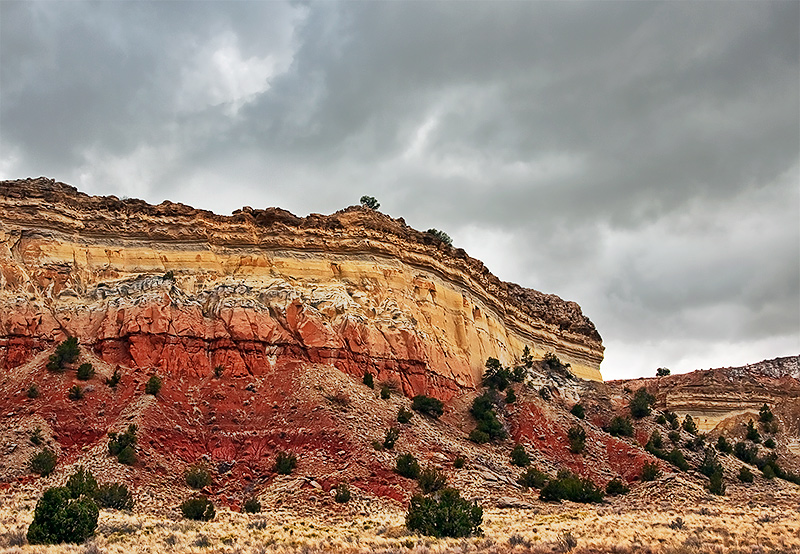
point(181, 290)
point(716, 397)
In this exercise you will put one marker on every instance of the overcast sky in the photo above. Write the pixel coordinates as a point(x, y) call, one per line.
point(640, 158)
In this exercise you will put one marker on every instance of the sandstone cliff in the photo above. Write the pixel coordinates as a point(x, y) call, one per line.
point(181, 290)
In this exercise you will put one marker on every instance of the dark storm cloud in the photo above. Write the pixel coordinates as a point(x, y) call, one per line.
point(640, 158)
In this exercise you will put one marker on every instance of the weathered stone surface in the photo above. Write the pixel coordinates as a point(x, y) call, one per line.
point(356, 289)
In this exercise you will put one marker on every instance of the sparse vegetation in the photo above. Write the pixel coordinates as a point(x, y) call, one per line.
point(577, 439)
point(200, 509)
point(489, 427)
point(85, 371)
point(153, 385)
point(43, 462)
point(431, 480)
point(219, 370)
point(444, 515)
point(407, 466)
point(689, 425)
point(285, 463)
point(369, 380)
point(114, 380)
point(440, 235)
point(650, 471)
point(251, 506)
point(578, 411)
point(342, 495)
point(745, 475)
point(114, 496)
point(519, 457)
point(36, 436)
point(752, 433)
point(459, 462)
point(386, 392)
point(746, 453)
point(390, 437)
point(770, 443)
point(370, 202)
point(427, 405)
point(568, 486)
point(33, 391)
point(615, 487)
point(197, 476)
point(403, 415)
point(620, 427)
point(75, 393)
point(533, 478)
point(66, 353)
point(123, 445)
point(640, 403)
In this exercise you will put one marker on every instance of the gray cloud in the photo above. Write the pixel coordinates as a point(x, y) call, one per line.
point(639, 158)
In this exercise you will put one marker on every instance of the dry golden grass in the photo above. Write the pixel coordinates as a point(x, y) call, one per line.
point(745, 522)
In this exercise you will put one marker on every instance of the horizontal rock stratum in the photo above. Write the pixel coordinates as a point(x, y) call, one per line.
point(183, 290)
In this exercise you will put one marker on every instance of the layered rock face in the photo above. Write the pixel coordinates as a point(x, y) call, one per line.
point(184, 290)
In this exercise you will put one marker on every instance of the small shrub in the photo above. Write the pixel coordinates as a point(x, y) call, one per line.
point(75, 393)
point(440, 235)
point(672, 417)
point(689, 425)
point(519, 457)
point(114, 380)
point(710, 464)
point(745, 475)
point(391, 436)
point(544, 393)
point(197, 476)
point(553, 363)
point(114, 496)
point(33, 391)
point(676, 458)
point(655, 442)
point(66, 353)
point(752, 433)
point(696, 443)
point(723, 445)
point(285, 463)
point(677, 524)
point(620, 427)
point(765, 415)
point(251, 506)
point(168, 276)
point(81, 483)
point(431, 480)
point(43, 462)
point(768, 472)
point(218, 371)
point(716, 484)
point(519, 373)
point(446, 515)
point(616, 487)
point(662, 372)
point(650, 471)
point(342, 495)
point(403, 415)
point(428, 406)
point(746, 453)
point(386, 392)
point(533, 478)
point(153, 385)
point(459, 462)
point(479, 437)
point(640, 404)
point(58, 518)
point(577, 439)
point(770, 443)
point(578, 411)
point(407, 466)
point(368, 380)
point(496, 376)
point(85, 371)
point(527, 358)
point(36, 436)
point(200, 509)
point(674, 437)
point(661, 420)
point(511, 396)
point(127, 456)
point(370, 202)
point(568, 486)
point(566, 542)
